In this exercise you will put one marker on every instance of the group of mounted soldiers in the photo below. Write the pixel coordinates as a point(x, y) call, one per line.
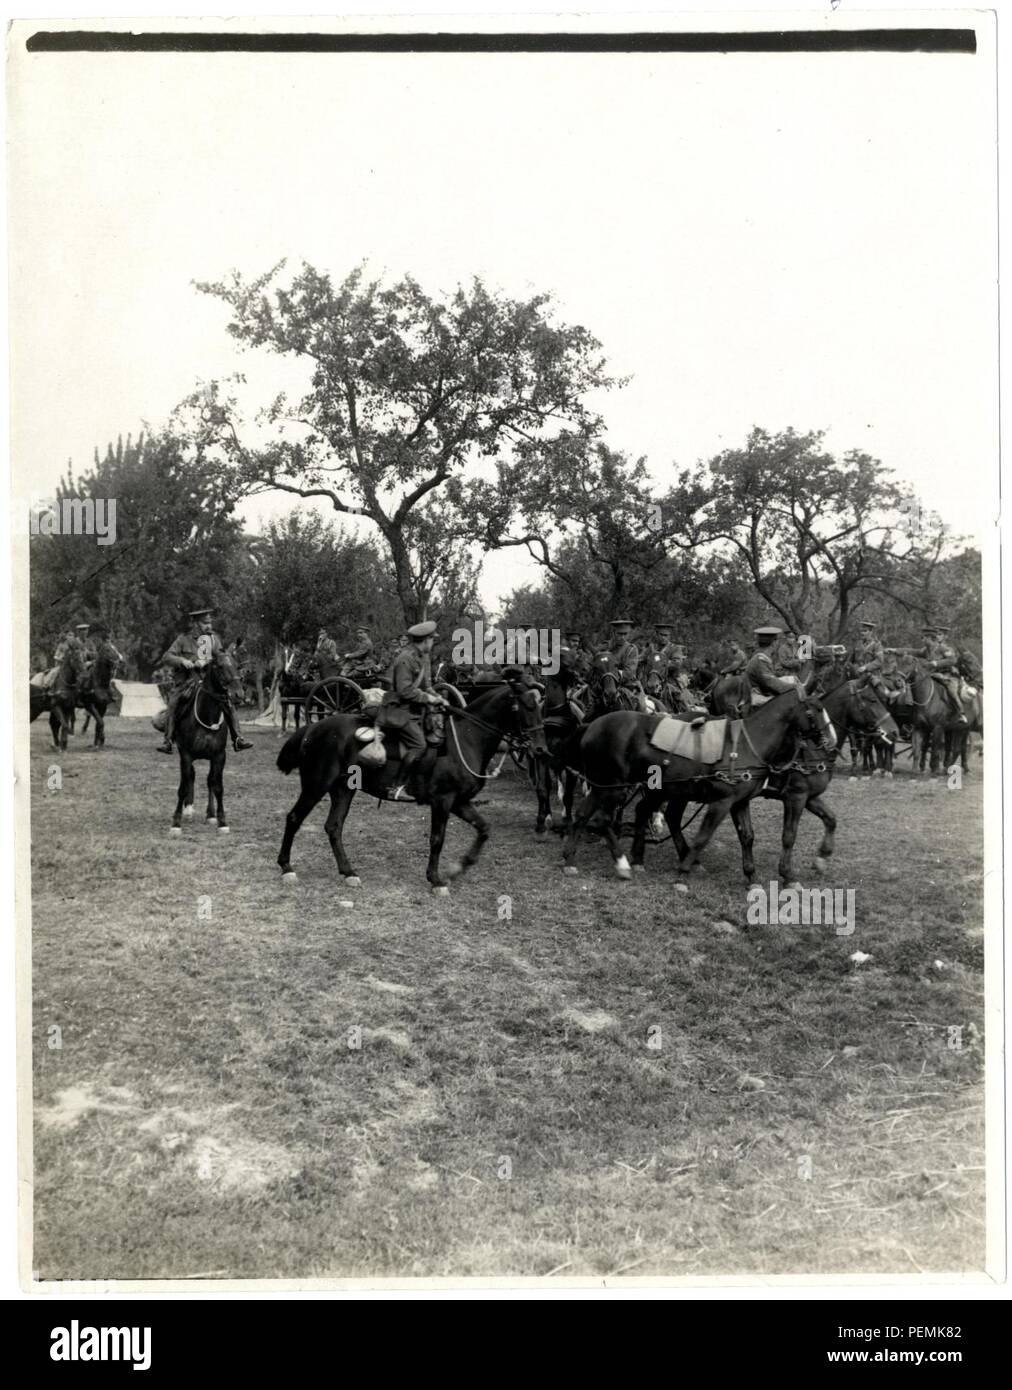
point(654, 668)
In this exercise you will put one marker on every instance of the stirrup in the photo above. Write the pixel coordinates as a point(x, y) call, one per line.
point(399, 793)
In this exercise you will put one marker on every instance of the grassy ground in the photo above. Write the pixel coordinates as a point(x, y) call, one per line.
point(535, 1075)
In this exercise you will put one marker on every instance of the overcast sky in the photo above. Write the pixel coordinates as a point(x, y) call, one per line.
point(775, 240)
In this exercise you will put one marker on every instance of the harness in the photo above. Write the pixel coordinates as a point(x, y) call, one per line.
point(512, 740)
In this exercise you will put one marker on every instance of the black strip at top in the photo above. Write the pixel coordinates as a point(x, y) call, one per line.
point(773, 41)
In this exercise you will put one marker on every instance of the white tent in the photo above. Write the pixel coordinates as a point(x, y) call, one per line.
point(139, 701)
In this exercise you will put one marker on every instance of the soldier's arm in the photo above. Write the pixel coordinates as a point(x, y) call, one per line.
point(175, 656)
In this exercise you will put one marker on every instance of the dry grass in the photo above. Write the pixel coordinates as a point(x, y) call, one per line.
point(212, 1110)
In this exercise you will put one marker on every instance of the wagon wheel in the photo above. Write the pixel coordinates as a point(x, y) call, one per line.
point(335, 695)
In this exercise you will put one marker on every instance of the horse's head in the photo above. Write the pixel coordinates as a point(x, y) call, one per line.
point(527, 712)
point(221, 675)
point(813, 723)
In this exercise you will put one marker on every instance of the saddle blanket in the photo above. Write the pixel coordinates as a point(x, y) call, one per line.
point(703, 745)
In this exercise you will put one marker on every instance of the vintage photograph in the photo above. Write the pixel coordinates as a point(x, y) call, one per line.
point(503, 583)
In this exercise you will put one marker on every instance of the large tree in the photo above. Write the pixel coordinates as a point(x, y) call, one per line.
point(819, 537)
point(405, 392)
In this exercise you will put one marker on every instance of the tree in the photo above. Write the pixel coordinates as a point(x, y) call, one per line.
point(312, 575)
point(177, 545)
point(818, 537)
point(406, 392)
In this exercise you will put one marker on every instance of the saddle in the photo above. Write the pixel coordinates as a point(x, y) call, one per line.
point(708, 744)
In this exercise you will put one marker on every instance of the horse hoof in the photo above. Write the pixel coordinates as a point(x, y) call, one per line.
point(639, 868)
point(851, 778)
point(176, 830)
point(187, 813)
point(888, 776)
point(440, 891)
point(548, 822)
point(289, 877)
point(454, 871)
point(212, 820)
point(794, 883)
point(622, 867)
point(821, 865)
point(681, 887)
point(353, 881)
point(223, 829)
point(570, 870)
point(346, 904)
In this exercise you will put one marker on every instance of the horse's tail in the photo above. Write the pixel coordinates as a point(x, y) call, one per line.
point(291, 752)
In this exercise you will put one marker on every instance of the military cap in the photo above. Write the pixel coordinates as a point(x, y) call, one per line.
point(83, 627)
point(664, 627)
point(621, 622)
point(768, 631)
point(202, 612)
point(573, 632)
point(361, 628)
point(867, 622)
point(421, 630)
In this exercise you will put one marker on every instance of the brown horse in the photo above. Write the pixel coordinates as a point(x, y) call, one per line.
point(618, 758)
point(328, 756)
point(930, 717)
point(59, 699)
point(201, 733)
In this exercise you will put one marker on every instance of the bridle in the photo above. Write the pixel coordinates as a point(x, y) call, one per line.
point(516, 742)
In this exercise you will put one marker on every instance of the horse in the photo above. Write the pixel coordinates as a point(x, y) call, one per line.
point(95, 696)
point(929, 716)
point(565, 721)
point(202, 733)
point(618, 757)
point(59, 699)
point(292, 691)
point(328, 756)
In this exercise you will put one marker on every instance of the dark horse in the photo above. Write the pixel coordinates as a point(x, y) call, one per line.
point(618, 756)
point(59, 699)
point(565, 721)
point(95, 696)
point(930, 717)
point(292, 691)
point(201, 733)
point(328, 756)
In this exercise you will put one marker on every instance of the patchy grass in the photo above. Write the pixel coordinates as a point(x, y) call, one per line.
point(535, 1075)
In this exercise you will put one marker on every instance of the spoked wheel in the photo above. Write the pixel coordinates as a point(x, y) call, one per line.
point(335, 695)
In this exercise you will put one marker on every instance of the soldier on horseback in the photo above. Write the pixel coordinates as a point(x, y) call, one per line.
point(942, 661)
point(623, 655)
point(410, 696)
point(579, 659)
point(326, 657)
point(867, 660)
point(761, 667)
point(189, 654)
point(362, 660)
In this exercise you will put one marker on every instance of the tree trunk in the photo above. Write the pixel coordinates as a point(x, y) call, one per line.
point(413, 606)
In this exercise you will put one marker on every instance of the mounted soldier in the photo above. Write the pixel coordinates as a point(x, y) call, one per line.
point(409, 699)
point(580, 659)
point(187, 657)
point(761, 667)
point(81, 631)
point(788, 663)
point(942, 662)
point(735, 658)
point(867, 660)
point(623, 655)
point(326, 657)
point(362, 659)
point(893, 680)
point(659, 659)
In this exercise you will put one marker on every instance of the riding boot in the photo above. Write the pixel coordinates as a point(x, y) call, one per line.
point(408, 760)
point(238, 742)
point(170, 725)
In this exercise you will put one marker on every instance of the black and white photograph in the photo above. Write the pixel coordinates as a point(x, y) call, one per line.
point(504, 580)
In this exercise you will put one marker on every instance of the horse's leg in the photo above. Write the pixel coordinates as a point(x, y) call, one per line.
point(569, 791)
point(216, 779)
point(185, 786)
point(541, 776)
point(715, 813)
point(674, 810)
point(586, 809)
point(308, 798)
point(440, 814)
point(741, 815)
point(87, 720)
point(467, 813)
point(820, 808)
point(794, 804)
point(646, 807)
point(341, 797)
point(54, 726)
point(608, 817)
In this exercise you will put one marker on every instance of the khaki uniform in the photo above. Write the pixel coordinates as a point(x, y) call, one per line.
point(624, 660)
point(762, 676)
point(867, 661)
point(362, 658)
point(327, 657)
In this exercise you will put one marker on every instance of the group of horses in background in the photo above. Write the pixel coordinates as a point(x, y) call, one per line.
point(74, 687)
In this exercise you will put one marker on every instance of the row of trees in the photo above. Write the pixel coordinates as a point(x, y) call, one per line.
point(467, 423)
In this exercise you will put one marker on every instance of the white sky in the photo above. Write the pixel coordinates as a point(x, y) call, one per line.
point(779, 240)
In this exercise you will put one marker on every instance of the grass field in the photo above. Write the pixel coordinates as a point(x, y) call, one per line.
point(537, 1075)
